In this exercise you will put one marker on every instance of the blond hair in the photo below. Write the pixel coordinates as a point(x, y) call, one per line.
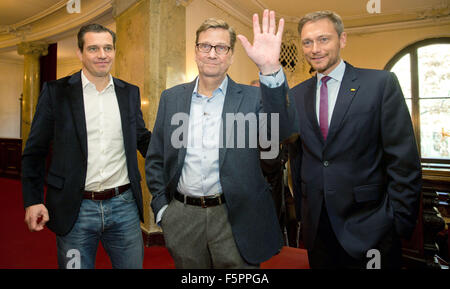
point(330, 15)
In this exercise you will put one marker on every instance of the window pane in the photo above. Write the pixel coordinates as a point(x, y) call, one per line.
point(409, 104)
point(434, 73)
point(435, 128)
point(402, 70)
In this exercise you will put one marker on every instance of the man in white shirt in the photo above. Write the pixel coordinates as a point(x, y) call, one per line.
point(94, 124)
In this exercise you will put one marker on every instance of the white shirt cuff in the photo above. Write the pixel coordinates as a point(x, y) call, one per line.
point(273, 81)
point(159, 215)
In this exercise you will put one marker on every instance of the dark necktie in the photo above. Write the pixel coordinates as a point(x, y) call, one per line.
point(323, 111)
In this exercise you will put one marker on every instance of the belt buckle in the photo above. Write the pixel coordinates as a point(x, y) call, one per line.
point(202, 199)
point(92, 196)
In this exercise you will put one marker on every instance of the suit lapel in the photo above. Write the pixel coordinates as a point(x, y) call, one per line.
point(233, 100)
point(349, 88)
point(310, 107)
point(75, 92)
point(122, 95)
point(184, 106)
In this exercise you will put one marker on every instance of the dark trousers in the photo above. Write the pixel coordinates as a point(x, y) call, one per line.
point(327, 253)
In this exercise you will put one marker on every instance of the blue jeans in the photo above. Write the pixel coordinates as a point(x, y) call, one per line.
point(114, 222)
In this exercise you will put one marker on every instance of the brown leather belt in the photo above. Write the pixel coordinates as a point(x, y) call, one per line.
point(203, 202)
point(106, 194)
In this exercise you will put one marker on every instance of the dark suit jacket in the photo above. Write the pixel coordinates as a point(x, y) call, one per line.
point(249, 202)
point(60, 120)
point(368, 171)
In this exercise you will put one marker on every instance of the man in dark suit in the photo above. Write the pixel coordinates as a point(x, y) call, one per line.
point(360, 168)
point(211, 199)
point(94, 124)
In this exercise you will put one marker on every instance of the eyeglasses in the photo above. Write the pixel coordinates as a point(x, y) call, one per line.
point(206, 48)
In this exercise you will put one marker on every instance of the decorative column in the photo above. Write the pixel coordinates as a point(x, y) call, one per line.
point(31, 82)
point(150, 53)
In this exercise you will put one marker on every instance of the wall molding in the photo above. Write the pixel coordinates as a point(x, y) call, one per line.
point(184, 3)
point(32, 29)
point(233, 11)
point(418, 17)
point(421, 23)
point(16, 61)
point(34, 18)
point(10, 158)
point(152, 238)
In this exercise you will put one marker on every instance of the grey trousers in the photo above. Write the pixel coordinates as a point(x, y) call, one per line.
point(201, 238)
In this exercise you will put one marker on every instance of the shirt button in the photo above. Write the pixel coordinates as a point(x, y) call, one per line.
point(326, 163)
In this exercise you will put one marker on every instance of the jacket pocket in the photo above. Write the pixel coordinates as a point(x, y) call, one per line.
point(367, 193)
point(55, 181)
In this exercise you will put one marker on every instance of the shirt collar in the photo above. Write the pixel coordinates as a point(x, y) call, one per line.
point(336, 74)
point(222, 87)
point(85, 81)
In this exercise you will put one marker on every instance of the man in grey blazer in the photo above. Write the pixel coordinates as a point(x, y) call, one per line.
point(212, 201)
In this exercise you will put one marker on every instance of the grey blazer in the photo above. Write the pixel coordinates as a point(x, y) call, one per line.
point(249, 202)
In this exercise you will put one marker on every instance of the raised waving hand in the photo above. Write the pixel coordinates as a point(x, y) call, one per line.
point(265, 51)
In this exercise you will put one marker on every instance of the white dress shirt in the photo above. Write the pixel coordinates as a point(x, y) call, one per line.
point(107, 167)
point(333, 84)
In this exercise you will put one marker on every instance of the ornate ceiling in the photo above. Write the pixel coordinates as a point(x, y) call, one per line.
point(29, 20)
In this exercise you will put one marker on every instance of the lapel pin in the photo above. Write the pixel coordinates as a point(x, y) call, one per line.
point(352, 89)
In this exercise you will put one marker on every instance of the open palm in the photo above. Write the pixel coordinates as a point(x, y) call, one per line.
point(265, 51)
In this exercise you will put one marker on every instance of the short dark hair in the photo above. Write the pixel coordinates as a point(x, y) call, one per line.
point(93, 28)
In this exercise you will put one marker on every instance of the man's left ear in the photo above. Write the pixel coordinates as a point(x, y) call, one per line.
point(343, 39)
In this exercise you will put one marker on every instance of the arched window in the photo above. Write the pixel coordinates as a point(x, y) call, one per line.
point(423, 70)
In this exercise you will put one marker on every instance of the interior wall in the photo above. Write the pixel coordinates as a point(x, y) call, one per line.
point(68, 66)
point(369, 50)
point(374, 50)
point(243, 70)
point(11, 84)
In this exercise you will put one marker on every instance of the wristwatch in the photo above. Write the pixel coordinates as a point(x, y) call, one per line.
point(273, 74)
